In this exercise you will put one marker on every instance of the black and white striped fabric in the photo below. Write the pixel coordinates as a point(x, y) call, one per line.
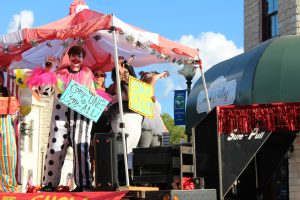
point(68, 128)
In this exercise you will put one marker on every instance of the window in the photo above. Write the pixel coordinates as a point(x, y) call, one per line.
point(269, 19)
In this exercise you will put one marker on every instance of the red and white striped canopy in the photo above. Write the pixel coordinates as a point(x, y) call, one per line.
point(28, 48)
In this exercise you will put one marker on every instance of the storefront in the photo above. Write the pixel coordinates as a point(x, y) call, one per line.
point(266, 74)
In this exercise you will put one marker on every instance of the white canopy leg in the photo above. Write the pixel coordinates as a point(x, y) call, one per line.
point(120, 105)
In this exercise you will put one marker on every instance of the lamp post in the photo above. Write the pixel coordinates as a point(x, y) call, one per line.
point(188, 83)
point(188, 71)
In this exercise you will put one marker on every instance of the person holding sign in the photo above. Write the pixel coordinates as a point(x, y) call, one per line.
point(8, 148)
point(152, 129)
point(125, 70)
point(131, 119)
point(69, 128)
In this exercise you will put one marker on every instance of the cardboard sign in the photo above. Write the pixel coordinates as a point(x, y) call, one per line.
point(79, 98)
point(140, 94)
point(8, 105)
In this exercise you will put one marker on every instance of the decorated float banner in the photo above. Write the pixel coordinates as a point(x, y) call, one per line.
point(8, 105)
point(79, 98)
point(179, 107)
point(107, 195)
point(220, 92)
point(140, 97)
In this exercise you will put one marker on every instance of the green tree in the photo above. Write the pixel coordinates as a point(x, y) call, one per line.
point(176, 132)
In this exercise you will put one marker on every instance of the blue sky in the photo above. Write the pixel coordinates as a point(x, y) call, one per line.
point(215, 27)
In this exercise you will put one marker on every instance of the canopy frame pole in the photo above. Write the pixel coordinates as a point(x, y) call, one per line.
point(205, 88)
point(119, 92)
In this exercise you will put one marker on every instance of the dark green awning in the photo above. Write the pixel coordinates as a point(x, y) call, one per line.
point(277, 75)
point(266, 74)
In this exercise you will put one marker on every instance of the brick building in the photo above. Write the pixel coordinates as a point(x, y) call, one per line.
point(264, 20)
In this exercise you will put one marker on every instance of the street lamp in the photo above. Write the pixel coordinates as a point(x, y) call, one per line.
point(188, 71)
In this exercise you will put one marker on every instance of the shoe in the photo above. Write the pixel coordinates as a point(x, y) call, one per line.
point(89, 188)
point(77, 189)
point(84, 189)
point(47, 188)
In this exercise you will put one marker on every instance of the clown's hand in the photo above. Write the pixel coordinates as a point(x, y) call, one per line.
point(93, 91)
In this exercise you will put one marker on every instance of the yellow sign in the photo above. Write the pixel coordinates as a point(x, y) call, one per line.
point(140, 97)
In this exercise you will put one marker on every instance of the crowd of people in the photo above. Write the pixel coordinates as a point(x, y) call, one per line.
point(71, 129)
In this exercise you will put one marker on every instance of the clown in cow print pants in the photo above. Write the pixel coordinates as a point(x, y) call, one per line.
point(68, 128)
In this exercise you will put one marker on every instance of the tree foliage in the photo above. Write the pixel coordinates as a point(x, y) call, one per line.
point(176, 132)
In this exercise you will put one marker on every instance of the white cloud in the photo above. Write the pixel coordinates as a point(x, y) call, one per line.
point(170, 86)
point(26, 17)
point(214, 48)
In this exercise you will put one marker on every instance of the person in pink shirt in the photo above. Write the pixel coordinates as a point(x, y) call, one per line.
point(69, 128)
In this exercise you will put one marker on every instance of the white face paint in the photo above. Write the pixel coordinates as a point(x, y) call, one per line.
point(76, 60)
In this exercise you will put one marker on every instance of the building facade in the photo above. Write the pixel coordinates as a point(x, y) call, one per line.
point(264, 20)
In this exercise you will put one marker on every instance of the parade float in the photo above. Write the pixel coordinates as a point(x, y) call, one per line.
point(105, 38)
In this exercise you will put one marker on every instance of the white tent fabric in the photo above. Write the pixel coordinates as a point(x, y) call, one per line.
point(28, 48)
